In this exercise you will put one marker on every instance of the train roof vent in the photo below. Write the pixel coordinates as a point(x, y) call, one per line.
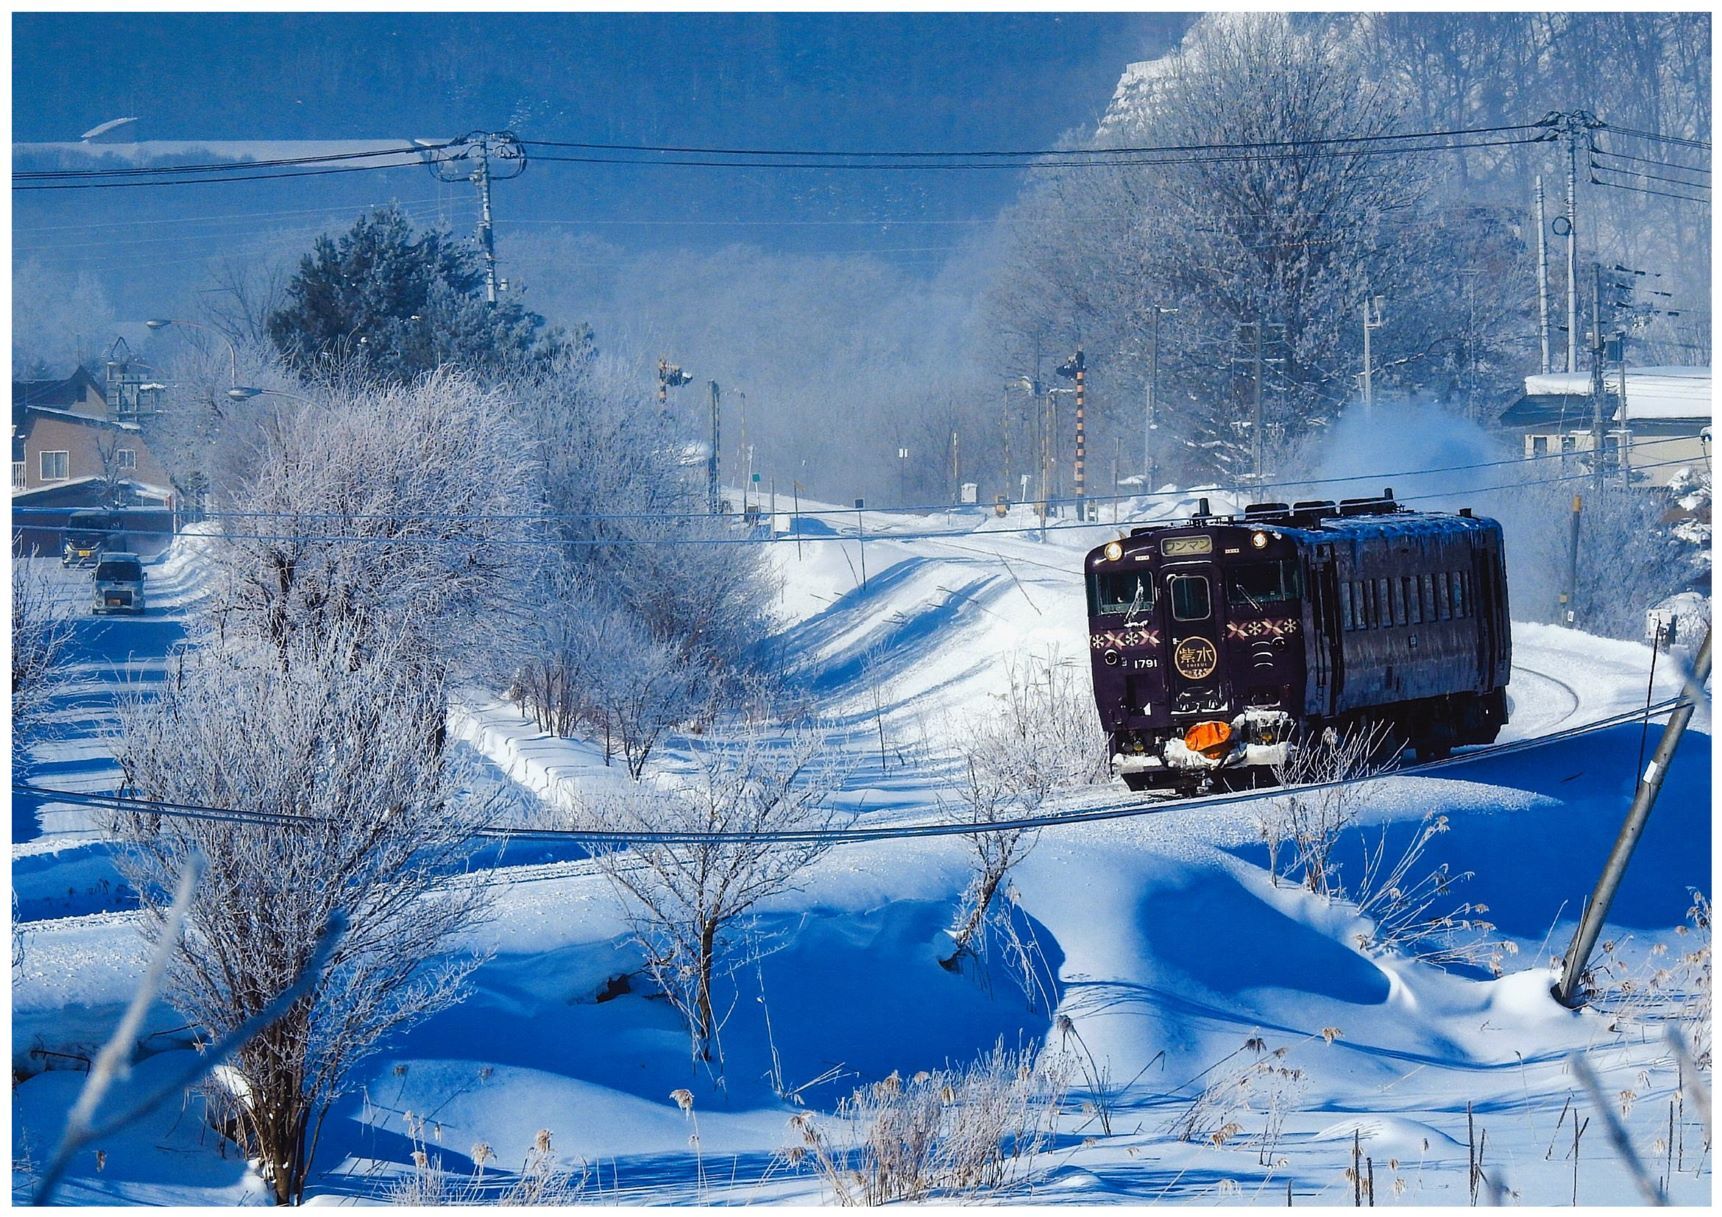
point(1256, 510)
point(1313, 507)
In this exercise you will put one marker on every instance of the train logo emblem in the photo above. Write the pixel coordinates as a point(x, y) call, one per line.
point(1195, 658)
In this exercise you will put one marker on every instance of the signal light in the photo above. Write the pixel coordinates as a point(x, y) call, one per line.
point(1259, 540)
point(1114, 551)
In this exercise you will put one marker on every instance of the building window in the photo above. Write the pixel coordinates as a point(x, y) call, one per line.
point(19, 478)
point(1538, 445)
point(126, 458)
point(54, 467)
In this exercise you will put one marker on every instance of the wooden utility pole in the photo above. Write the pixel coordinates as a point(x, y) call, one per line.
point(712, 457)
point(1256, 412)
point(1542, 277)
point(1596, 385)
point(1590, 925)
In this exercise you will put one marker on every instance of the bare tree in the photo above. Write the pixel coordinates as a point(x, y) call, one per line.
point(242, 294)
point(685, 898)
point(41, 641)
point(1043, 737)
point(343, 809)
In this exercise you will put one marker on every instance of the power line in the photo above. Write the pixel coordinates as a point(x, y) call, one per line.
point(1091, 158)
point(1665, 194)
point(1097, 158)
point(1657, 136)
point(1653, 177)
point(850, 835)
point(257, 177)
point(327, 158)
point(1024, 154)
point(1650, 160)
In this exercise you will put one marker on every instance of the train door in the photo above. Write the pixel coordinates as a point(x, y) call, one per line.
point(1322, 652)
point(1485, 606)
point(1193, 622)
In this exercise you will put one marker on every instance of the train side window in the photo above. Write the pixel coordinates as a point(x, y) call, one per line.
point(1442, 602)
point(1460, 599)
point(1384, 598)
point(1413, 606)
point(1427, 583)
point(1346, 621)
point(1371, 606)
point(1400, 615)
point(1189, 597)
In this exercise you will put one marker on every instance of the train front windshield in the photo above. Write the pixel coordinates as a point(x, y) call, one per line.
point(1120, 591)
point(1260, 584)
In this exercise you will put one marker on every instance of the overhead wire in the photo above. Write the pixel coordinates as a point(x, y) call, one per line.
point(1021, 153)
point(852, 834)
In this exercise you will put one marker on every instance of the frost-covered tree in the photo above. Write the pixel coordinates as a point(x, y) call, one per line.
point(1042, 737)
point(682, 605)
point(59, 320)
point(687, 899)
point(377, 513)
point(41, 642)
point(343, 805)
point(398, 303)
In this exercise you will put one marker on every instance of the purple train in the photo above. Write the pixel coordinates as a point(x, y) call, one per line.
point(1221, 642)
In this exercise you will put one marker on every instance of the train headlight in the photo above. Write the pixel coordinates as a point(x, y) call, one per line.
point(1114, 551)
point(1259, 540)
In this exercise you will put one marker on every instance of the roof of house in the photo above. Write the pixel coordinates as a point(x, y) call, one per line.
point(53, 393)
point(1652, 394)
point(86, 420)
point(75, 486)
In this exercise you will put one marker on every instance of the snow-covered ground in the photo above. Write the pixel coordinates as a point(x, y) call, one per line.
point(1182, 968)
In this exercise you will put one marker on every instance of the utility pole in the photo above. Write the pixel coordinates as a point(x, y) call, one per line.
point(956, 470)
point(1643, 799)
point(1256, 414)
point(1569, 598)
point(481, 157)
point(1542, 276)
point(712, 457)
point(1075, 369)
point(1596, 386)
point(1572, 242)
point(1371, 322)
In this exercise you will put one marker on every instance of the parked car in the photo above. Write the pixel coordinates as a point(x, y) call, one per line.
point(119, 584)
point(88, 535)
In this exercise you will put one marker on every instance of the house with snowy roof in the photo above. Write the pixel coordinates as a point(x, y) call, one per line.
point(1655, 420)
point(76, 444)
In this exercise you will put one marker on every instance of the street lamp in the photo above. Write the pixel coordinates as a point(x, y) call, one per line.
point(237, 391)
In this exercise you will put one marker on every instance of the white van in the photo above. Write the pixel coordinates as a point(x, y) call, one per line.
point(119, 584)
